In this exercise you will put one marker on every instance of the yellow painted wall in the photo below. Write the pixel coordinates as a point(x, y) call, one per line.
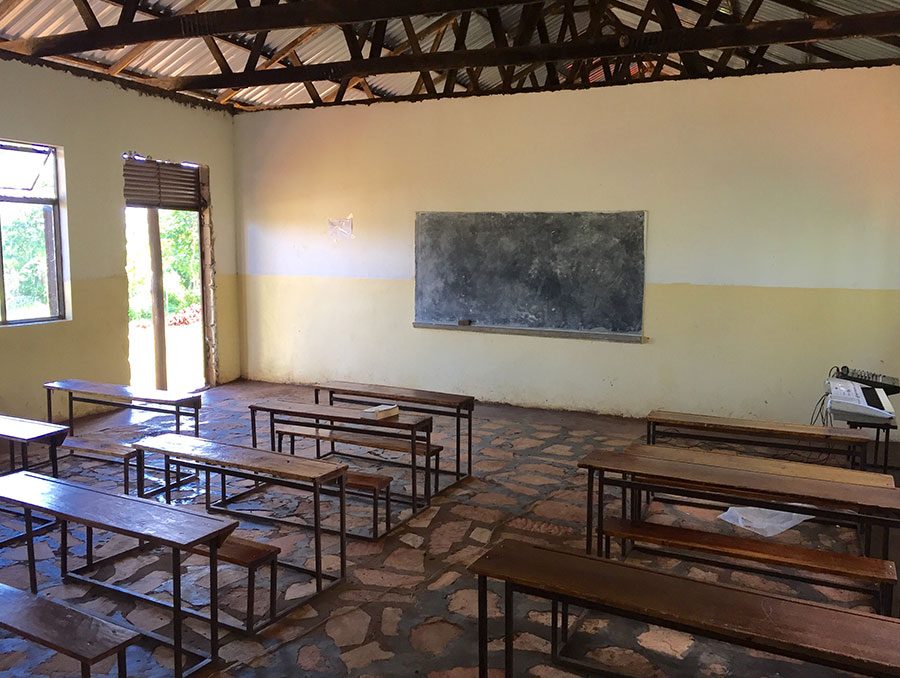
point(95, 123)
point(773, 233)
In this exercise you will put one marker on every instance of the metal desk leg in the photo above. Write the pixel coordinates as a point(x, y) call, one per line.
point(317, 532)
point(24, 450)
point(49, 406)
point(54, 461)
point(214, 599)
point(412, 462)
point(887, 448)
point(458, 446)
point(32, 565)
point(167, 478)
point(471, 414)
point(482, 627)
point(590, 510)
point(71, 413)
point(509, 630)
point(272, 431)
point(176, 611)
point(63, 548)
point(197, 422)
point(140, 473)
point(253, 426)
point(427, 474)
point(600, 534)
point(177, 419)
point(12, 456)
point(342, 488)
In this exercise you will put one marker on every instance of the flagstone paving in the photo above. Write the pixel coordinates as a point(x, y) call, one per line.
point(409, 607)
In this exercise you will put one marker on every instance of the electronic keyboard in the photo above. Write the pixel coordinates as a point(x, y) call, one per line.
point(890, 385)
point(849, 401)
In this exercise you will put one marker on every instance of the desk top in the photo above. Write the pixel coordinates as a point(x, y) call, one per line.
point(243, 458)
point(28, 430)
point(125, 393)
point(399, 394)
point(816, 632)
point(764, 465)
point(404, 420)
point(768, 429)
point(721, 480)
point(174, 526)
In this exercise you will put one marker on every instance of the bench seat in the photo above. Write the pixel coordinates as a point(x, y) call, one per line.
point(102, 448)
point(821, 634)
point(242, 552)
point(361, 439)
point(879, 573)
point(763, 429)
point(81, 636)
point(252, 555)
point(376, 484)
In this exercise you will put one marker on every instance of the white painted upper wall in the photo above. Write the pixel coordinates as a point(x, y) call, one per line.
point(95, 122)
point(762, 181)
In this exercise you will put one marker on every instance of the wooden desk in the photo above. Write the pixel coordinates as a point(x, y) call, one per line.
point(832, 500)
point(460, 407)
point(259, 465)
point(174, 527)
point(773, 434)
point(811, 632)
point(26, 431)
point(749, 463)
point(116, 395)
point(415, 429)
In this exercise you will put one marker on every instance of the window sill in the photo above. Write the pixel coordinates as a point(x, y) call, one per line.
point(29, 323)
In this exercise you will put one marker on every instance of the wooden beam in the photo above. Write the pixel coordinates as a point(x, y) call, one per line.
point(668, 18)
point(216, 52)
point(748, 17)
point(416, 49)
point(286, 51)
point(135, 52)
point(87, 15)
point(659, 42)
point(129, 10)
point(241, 20)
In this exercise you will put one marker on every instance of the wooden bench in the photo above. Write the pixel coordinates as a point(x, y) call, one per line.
point(812, 632)
point(376, 484)
point(63, 629)
point(27, 431)
point(103, 449)
point(117, 395)
point(251, 555)
point(356, 480)
point(880, 574)
point(459, 407)
point(773, 434)
point(360, 439)
point(797, 469)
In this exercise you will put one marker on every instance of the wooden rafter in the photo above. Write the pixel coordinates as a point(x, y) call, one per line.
point(657, 42)
point(241, 20)
point(590, 44)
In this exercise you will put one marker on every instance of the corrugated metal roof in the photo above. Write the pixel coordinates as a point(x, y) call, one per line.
point(33, 18)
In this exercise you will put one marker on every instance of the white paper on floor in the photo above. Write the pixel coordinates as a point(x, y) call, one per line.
point(765, 522)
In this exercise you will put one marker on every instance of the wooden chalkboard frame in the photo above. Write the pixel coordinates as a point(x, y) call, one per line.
point(636, 337)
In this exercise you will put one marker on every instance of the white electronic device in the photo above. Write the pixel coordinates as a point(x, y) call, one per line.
point(850, 401)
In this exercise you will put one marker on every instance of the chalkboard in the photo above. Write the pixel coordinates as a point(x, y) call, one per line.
point(576, 273)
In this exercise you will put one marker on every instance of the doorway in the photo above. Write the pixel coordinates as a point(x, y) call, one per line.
point(168, 241)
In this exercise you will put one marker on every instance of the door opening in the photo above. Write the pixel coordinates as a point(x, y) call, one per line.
point(165, 298)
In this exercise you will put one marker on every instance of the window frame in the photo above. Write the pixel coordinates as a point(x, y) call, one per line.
point(54, 205)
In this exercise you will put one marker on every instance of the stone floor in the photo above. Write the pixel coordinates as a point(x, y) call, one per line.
point(409, 606)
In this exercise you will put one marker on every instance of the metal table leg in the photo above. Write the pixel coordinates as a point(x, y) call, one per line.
point(317, 533)
point(482, 627)
point(176, 612)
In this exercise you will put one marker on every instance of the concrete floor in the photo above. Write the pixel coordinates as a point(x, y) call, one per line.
point(409, 605)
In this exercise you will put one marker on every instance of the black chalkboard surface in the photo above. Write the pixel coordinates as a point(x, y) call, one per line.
point(569, 273)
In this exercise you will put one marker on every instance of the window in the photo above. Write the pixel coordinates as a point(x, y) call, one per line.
point(30, 253)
